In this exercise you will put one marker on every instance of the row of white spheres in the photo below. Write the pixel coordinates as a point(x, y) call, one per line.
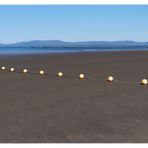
point(81, 76)
point(12, 69)
point(60, 74)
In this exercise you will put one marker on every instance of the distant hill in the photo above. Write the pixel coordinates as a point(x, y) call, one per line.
point(59, 43)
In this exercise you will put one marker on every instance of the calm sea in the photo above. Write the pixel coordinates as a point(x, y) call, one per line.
point(22, 51)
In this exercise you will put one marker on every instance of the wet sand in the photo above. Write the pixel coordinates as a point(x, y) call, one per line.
point(43, 109)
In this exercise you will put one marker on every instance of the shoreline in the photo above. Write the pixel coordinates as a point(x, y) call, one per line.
point(41, 53)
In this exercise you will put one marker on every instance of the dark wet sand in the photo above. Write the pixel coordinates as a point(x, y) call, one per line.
point(38, 109)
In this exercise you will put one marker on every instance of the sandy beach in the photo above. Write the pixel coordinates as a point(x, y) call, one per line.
point(41, 109)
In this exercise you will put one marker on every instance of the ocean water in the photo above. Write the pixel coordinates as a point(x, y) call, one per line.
point(25, 51)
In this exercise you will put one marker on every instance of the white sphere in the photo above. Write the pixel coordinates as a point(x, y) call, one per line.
point(41, 72)
point(110, 78)
point(3, 68)
point(144, 81)
point(11, 69)
point(25, 71)
point(81, 76)
point(60, 74)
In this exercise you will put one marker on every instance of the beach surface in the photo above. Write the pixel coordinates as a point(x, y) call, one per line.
point(46, 109)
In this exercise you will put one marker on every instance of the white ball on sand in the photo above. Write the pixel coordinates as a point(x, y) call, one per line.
point(25, 71)
point(144, 81)
point(3, 68)
point(12, 69)
point(81, 76)
point(41, 72)
point(110, 78)
point(60, 74)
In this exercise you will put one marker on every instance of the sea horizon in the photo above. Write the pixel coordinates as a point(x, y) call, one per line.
point(48, 50)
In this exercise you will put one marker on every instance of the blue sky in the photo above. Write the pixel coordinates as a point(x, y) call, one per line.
point(73, 23)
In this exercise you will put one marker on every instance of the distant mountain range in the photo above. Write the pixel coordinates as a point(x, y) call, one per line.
point(85, 44)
